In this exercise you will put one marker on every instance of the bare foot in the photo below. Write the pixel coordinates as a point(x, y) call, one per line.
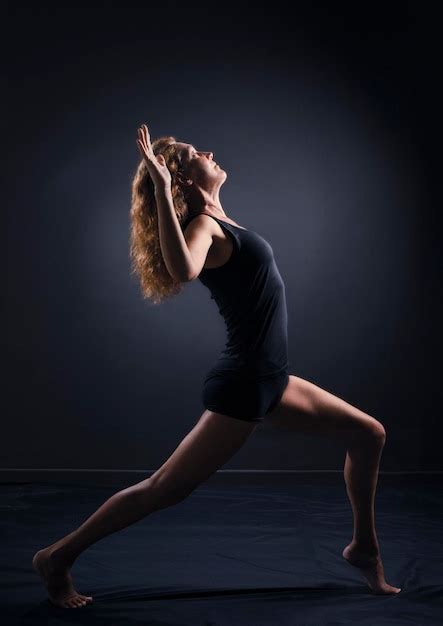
point(57, 580)
point(371, 567)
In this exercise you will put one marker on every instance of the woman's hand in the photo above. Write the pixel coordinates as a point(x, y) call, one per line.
point(156, 163)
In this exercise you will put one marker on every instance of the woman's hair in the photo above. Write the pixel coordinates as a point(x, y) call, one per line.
point(145, 253)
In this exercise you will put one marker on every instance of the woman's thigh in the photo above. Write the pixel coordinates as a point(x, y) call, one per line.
point(307, 408)
point(208, 446)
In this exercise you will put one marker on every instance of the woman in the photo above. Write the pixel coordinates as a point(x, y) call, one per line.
point(180, 232)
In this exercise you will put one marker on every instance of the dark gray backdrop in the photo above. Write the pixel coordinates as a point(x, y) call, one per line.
point(326, 123)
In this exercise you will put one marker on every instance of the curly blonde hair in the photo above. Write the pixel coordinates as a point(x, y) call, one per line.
point(144, 250)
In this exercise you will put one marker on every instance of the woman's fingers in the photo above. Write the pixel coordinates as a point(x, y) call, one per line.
point(141, 148)
point(156, 163)
point(142, 137)
point(146, 136)
point(145, 140)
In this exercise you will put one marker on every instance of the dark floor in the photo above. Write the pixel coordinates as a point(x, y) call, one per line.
point(240, 551)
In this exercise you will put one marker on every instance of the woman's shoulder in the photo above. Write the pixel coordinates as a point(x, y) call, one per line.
point(201, 220)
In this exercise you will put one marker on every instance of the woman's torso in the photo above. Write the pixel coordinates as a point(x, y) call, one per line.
point(243, 279)
point(222, 246)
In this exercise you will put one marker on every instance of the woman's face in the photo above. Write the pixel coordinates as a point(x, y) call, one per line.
point(200, 167)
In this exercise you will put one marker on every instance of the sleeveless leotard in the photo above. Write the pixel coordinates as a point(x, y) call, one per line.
point(250, 294)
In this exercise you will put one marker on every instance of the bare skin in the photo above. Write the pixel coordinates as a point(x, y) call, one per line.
point(307, 408)
point(209, 445)
point(303, 408)
point(58, 580)
point(199, 176)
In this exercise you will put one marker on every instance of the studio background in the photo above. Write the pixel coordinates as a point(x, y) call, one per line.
point(327, 124)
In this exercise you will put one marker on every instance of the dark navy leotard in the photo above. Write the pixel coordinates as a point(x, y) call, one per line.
point(250, 295)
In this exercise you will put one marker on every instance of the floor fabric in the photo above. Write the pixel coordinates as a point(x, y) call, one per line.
point(254, 553)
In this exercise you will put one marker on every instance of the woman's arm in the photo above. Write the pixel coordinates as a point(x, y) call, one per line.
point(176, 254)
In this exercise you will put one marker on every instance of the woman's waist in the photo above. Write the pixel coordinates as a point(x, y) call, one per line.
point(247, 368)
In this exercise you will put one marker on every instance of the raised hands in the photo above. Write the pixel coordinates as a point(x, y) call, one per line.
point(156, 163)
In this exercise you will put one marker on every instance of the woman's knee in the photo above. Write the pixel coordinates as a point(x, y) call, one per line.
point(375, 431)
point(162, 492)
point(380, 432)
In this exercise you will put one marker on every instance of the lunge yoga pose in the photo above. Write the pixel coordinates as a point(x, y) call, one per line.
point(180, 232)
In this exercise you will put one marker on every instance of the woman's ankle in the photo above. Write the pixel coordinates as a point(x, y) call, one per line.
point(366, 546)
point(62, 555)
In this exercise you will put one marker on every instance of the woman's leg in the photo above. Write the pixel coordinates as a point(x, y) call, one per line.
point(309, 409)
point(208, 446)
